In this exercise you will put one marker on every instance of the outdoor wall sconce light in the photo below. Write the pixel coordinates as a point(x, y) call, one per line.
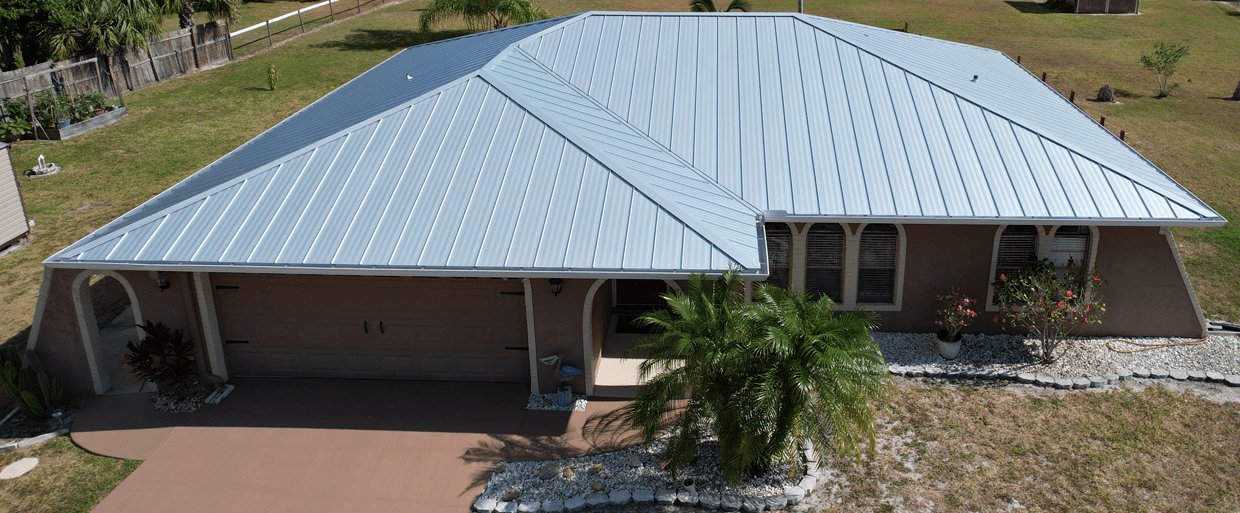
point(557, 285)
point(160, 283)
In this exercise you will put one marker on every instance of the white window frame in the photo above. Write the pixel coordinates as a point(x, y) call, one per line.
point(1046, 240)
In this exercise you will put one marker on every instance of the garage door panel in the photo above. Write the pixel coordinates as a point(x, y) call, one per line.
point(312, 326)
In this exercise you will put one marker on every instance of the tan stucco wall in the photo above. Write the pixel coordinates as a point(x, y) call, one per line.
point(1144, 291)
point(558, 327)
point(600, 320)
point(59, 341)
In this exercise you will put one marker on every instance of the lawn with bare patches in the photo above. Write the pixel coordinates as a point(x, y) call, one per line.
point(67, 479)
point(973, 449)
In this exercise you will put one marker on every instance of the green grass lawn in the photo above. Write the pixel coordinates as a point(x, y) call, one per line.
point(176, 128)
point(251, 12)
point(66, 479)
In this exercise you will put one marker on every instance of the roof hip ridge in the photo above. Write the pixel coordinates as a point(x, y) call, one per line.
point(1085, 154)
point(643, 134)
point(696, 224)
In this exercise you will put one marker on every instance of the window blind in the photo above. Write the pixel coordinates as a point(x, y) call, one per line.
point(876, 266)
point(779, 253)
point(824, 266)
point(1017, 245)
point(1071, 243)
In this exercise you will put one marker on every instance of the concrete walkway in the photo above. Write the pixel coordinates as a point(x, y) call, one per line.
point(334, 445)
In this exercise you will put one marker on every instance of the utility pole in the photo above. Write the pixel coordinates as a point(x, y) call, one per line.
point(801, 6)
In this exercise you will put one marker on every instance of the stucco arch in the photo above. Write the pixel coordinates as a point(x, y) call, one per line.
point(85, 308)
point(587, 331)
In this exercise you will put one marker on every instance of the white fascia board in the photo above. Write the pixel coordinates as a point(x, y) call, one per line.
point(428, 272)
point(1091, 221)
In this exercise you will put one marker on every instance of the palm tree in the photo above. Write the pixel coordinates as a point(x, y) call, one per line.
point(709, 6)
point(481, 13)
point(106, 26)
point(102, 26)
point(819, 375)
point(766, 376)
point(185, 9)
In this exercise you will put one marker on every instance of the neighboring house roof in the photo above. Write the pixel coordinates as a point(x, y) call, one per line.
point(641, 144)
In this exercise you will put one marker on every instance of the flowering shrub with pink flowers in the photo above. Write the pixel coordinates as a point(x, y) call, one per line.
point(1049, 303)
point(954, 312)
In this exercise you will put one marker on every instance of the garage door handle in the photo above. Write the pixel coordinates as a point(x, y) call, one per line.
point(365, 328)
point(380, 327)
point(512, 293)
point(517, 348)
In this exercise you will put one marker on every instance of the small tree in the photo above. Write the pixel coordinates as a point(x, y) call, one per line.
point(1163, 63)
point(766, 376)
point(273, 77)
point(1049, 303)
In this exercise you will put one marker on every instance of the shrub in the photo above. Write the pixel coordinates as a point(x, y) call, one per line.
point(273, 76)
point(1163, 63)
point(164, 357)
point(1049, 303)
point(37, 398)
point(766, 376)
point(14, 127)
point(954, 312)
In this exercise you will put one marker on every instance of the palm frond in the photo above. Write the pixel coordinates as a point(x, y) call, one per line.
point(702, 6)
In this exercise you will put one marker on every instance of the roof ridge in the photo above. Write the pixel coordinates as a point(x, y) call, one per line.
point(645, 135)
point(1158, 188)
point(726, 246)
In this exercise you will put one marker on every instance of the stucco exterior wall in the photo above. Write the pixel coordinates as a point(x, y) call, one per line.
point(1144, 291)
point(558, 328)
point(600, 320)
point(59, 339)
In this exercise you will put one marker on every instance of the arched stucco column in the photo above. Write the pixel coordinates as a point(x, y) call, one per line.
point(85, 308)
point(587, 331)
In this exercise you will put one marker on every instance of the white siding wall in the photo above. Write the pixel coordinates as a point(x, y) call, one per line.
point(12, 215)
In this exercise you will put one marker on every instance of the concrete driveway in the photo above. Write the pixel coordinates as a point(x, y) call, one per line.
point(333, 445)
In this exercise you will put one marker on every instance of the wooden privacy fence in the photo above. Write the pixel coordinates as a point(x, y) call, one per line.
point(287, 26)
point(171, 54)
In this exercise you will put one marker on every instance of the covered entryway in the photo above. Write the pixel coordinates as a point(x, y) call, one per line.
point(454, 329)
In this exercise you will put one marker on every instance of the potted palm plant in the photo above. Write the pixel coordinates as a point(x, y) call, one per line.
point(954, 313)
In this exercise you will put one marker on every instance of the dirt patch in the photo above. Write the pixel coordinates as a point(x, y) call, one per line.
point(1142, 445)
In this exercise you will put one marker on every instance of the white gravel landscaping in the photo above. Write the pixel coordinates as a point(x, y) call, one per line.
point(548, 480)
point(1082, 356)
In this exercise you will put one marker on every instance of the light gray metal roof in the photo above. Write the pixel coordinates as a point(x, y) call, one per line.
point(640, 144)
point(820, 117)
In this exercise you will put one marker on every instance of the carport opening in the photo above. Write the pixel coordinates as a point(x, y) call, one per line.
point(109, 309)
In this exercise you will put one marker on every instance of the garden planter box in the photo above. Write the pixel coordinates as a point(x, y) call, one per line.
point(78, 128)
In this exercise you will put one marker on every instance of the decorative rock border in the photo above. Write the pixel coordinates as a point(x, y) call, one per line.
point(33, 441)
point(668, 497)
point(931, 371)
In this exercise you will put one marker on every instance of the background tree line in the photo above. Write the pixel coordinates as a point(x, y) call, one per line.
point(33, 31)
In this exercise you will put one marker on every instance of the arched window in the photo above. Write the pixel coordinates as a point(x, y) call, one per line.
point(1071, 243)
point(778, 253)
point(1017, 245)
point(876, 264)
point(824, 261)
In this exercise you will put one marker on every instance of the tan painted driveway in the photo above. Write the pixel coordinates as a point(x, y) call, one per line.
point(333, 445)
